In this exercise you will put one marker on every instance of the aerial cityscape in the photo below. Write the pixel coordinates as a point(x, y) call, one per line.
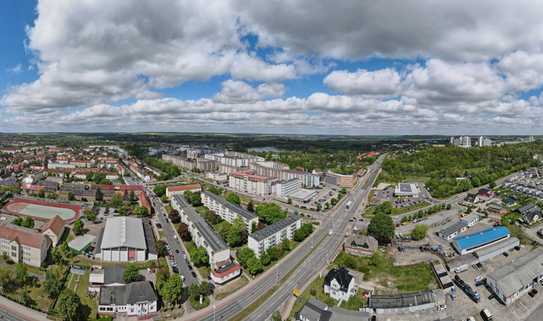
point(271, 161)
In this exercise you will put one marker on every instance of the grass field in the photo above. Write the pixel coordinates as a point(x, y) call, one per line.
point(36, 291)
point(380, 270)
point(41, 211)
point(79, 284)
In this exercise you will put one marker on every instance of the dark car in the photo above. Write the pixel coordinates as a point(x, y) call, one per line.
point(177, 251)
point(193, 274)
point(532, 293)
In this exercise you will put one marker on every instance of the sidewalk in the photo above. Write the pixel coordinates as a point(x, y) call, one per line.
point(19, 311)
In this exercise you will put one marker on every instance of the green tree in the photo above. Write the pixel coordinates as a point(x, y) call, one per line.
point(184, 233)
point(141, 211)
point(160, 190)
point(233, 198)
point(244, 254)
point(236, 235)
point(419, 232)
point(26, 299)
point(172, 289)
point(90, 215)
point(69, 306)
point(276, 316)
point(7, 283)
point(382, 228)
point(198, 256)
point(270, 212)
point(303, 232)
point(131, 273)
point(117, 200)
point(21, 274)
point(254, 266)
point(78, 227)
point(53, 282)
point(161, 249)
point(265, 259)
point(251, 206)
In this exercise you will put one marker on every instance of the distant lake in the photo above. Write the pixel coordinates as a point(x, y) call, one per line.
point(264, 149)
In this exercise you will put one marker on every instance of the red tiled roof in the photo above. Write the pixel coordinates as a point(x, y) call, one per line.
point(23, 236)
point(56, 224)
point(232, 268)
point(179, 188)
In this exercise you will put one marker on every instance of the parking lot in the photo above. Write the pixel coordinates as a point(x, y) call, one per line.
point(461, 307)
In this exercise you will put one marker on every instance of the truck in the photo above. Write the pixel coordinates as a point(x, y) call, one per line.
point(472, 294)
point(348, 205)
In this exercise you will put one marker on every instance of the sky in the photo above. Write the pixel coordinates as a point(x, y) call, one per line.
point(355, 67)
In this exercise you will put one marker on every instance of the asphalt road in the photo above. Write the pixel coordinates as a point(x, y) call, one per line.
point(325, 252)
point(171, 239)
point(313, 261)
point(5, 316)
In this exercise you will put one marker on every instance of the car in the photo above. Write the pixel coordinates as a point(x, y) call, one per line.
point(532, 293)
point(486, 315)
point(177, 251)
point(193, 274)
point(470, 318)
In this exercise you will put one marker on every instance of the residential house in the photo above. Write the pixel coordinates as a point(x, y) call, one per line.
point(339, 284)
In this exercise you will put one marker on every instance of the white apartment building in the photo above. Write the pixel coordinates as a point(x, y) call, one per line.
point(228, 211)
point(272, 235)
point(280, 171)
point(202, 233)
point(250, 183)
point(285, 188)
point(23, 245)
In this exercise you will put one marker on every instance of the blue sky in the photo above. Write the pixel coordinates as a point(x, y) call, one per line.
point(352, 67)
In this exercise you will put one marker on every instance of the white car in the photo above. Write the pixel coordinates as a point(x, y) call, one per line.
point(470, 318)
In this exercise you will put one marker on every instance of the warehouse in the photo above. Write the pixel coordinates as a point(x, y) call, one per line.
point(475, 241)
point(517, 278)
point(125, 239)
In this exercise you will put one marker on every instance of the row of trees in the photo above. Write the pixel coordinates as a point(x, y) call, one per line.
point(254, 265)
point(168, 169)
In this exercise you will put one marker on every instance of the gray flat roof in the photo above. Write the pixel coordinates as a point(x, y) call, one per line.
point(453, 228)
point(400, 300)
point(234, 208)
point(123, 231)
point(274, 228)
point(127, 294)
point(212, 238)
point(519, 273)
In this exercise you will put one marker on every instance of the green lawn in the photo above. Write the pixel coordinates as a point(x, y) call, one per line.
point(395, 279)
point(36, 292)
point(79, 284)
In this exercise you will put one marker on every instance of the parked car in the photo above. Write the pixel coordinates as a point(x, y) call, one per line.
point(532, 293)
point(486, 315)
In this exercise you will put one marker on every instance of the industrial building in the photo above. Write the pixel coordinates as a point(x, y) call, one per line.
point(517, 278)
point(475, 241)
point(126, 239)
point(406, 190)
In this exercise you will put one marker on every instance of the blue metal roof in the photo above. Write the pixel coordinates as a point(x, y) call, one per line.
point(474, 240)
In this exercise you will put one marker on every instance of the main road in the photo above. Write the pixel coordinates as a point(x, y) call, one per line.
point(306, 260)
